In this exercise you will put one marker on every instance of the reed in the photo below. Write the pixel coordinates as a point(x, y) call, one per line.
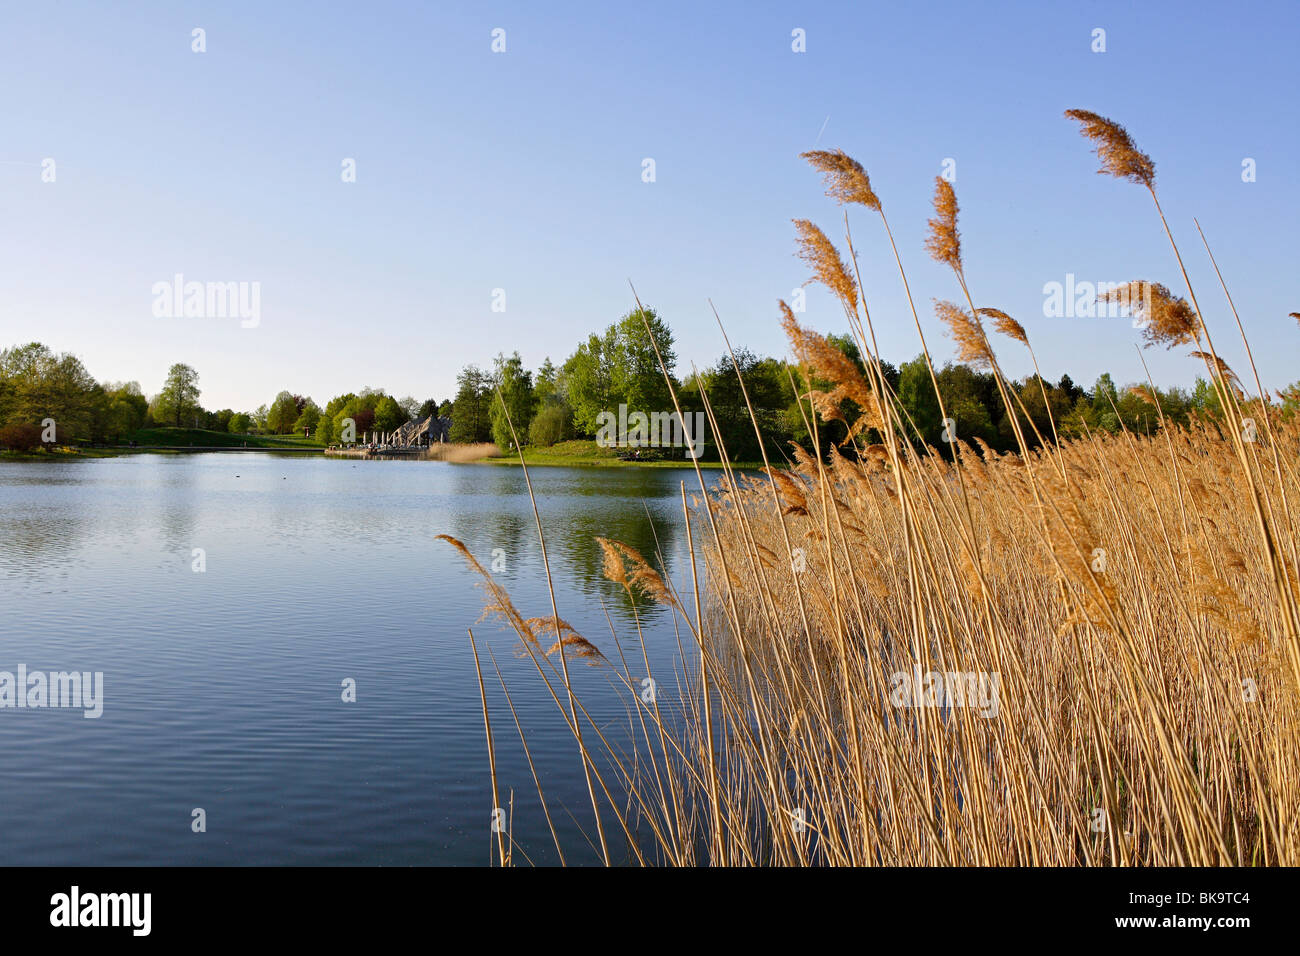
point(447, 451)
point(1083, 654)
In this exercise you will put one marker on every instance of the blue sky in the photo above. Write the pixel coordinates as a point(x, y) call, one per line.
point(522, 171)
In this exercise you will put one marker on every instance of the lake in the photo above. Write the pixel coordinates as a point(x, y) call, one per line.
point(223, 687)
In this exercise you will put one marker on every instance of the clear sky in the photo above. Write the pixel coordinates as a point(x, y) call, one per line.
point(522, 171)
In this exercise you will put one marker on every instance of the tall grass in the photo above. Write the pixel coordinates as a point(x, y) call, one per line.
point(447, 451)
point(1129, 603)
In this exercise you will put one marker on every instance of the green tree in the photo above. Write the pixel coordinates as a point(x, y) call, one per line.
point(337, 403)
point(764, 381)
point(36, 384)
point(973, 402)
point(470, 420)
point(1042, 411)
point(1205, 399)
point(1105, 399)
point(126, 410)
point(546, 381)
point(916, 394)
point(1136, 412)
point(619, 367)
point(359, 411)
point(513, 387)
point(637, 377)
point(179, 398)
point(324, 431)
point(308, 420)
point(389, 414)
point(1081, 421)
point(552, 423)
point(587, 377)
point(1104, 393)
point(283, 413)
point(410, 406)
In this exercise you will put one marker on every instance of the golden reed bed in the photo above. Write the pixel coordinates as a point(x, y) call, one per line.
point(1084, 654)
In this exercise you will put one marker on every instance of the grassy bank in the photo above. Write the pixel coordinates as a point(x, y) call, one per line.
point(587, 454)
point(164, 441)
point(573, 454)
point(59, 453)
point(201, 438)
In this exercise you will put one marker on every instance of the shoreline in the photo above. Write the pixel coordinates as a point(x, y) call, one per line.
point(543, 462)
point(83, 453)
point(612, 463)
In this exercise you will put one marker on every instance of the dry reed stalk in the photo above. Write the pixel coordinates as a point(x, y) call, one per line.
point(1121, 158)
point(492, 756)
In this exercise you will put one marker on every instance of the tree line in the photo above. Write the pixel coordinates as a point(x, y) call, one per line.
point(507, 404)
point(621, 366)
point(47, 397)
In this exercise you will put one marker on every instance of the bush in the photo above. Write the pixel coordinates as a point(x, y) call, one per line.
point(554, 423)
point(20, 437)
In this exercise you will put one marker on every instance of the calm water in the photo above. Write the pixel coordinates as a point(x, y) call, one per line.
point(223, 688)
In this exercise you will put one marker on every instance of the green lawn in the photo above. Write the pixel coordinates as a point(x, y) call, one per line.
point(201, 438)
point(166, 441)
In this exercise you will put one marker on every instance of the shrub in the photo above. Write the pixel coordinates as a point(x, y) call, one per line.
point(20, 436)
point(552, 424)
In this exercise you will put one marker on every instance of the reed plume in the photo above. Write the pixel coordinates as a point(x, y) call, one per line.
point(1224, 369)
point(1167, 319)
point(1144, 393)
point(1115, 148)
point(567, 637)
point(966, 332)
point(944, 241)
point(830, 363)
point(1006, 325)
point(625, 565)
point(846, 181)
point(828, 268)
point(499, 606)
